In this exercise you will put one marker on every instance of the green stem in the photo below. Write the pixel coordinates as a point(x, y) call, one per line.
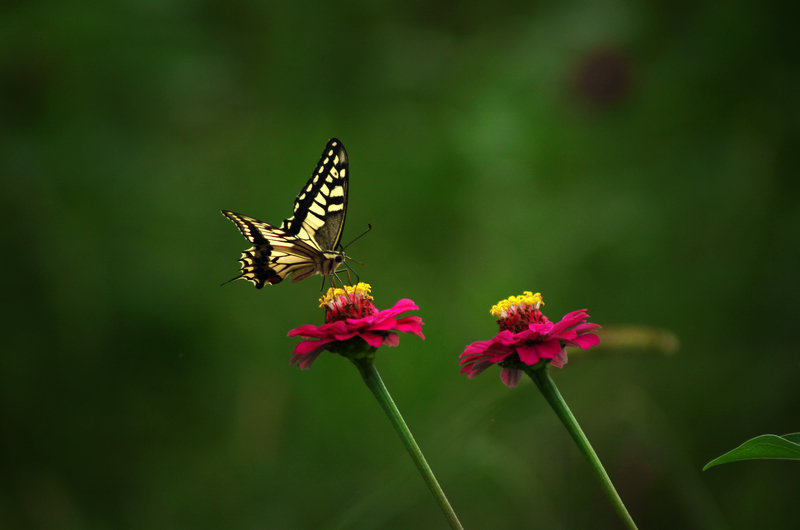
point(375, 384)
point(542, 379)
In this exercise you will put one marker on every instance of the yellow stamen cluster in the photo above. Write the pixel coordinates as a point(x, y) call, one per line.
point(527, 298)
point(361, 290)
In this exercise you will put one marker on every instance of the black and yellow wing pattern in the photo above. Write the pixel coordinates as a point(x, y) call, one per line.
point(305, 243)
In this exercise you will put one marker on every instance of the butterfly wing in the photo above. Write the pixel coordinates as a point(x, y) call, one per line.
point(274, 255)
point(321, 206)
point(304, 243)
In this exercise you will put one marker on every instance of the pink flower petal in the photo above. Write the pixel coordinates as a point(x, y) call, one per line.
point(411, 325)
point(528, 353)
point(308, 330)
point(510, 376)
point(392, 339)
point(549, 349)
point(540, 329)
point(305, 361)
point(344, 335)
point(499, 352)
point(478, 347)
point(560, 360)
point(476, 368)
point(363, 322)
point(383, 324)
point(403, 305)
point(308, 346)
point(373, 339)
point(570, 319)
point(506, 337)
point(586, 341)
point(586, 327)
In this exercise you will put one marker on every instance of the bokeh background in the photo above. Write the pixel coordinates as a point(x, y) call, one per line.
point(635, 159)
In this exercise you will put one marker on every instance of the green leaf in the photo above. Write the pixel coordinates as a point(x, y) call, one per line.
point(786, 447)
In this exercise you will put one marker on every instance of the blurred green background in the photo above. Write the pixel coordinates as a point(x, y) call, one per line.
point(635, 159)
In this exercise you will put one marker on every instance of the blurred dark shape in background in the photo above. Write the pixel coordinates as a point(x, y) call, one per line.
point(603, 77)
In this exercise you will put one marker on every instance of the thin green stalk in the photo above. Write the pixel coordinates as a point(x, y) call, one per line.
point(542, 379)
point(375, 384)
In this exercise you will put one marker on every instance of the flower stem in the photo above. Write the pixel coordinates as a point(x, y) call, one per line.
point(375, 384)
point(542, 379)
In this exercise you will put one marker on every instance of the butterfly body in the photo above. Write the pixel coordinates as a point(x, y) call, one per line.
point(305, 244)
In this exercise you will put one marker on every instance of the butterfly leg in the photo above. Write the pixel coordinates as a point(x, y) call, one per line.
point(349, 270)
point(334, 278)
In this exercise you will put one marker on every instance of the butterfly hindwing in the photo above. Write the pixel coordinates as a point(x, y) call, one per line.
point(274, 254)
point(304, 244)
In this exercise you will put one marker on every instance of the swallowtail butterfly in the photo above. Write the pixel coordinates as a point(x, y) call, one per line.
point(305, 244)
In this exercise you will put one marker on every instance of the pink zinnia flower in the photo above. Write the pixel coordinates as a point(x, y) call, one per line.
point(353, 326)
point(527, 338)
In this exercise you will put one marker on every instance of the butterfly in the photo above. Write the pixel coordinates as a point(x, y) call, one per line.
point(305, 243)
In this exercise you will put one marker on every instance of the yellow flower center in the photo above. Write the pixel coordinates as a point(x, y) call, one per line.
point(360, 290)
point(514, 303)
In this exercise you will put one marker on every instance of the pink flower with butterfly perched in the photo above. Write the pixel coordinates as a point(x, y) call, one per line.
point(527, 338)
point(354, 327)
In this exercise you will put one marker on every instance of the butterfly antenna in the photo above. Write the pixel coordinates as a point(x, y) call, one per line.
point(354, 261)
point(359, 236)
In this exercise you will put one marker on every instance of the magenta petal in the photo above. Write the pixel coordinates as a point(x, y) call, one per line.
point(307, 346)
point(337, 326)
point(305, 361)
point(410, 325)
point(549, 349)
point(570, 319)
point(560, 360)
point(528, 353)
point(403, 305)
point(392, 339)
point(506, 337)
point(363, 322)
point(498, 353)
point(476, 368)
point(383, 324)
point(318, 332)
point(477, 347)
point(586, 327)
point(586, 341)
point(410, 320)
point(566, 335)
point(538, 330)
point(345, 335)
point(373, 339)
point(308, 330)
point(510, 376)
point(467, 358)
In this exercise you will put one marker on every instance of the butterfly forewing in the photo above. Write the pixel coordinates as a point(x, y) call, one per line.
point(321, 206)
point(304, 244)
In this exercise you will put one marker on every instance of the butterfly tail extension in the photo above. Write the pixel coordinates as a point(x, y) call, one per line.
point(257, 267)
